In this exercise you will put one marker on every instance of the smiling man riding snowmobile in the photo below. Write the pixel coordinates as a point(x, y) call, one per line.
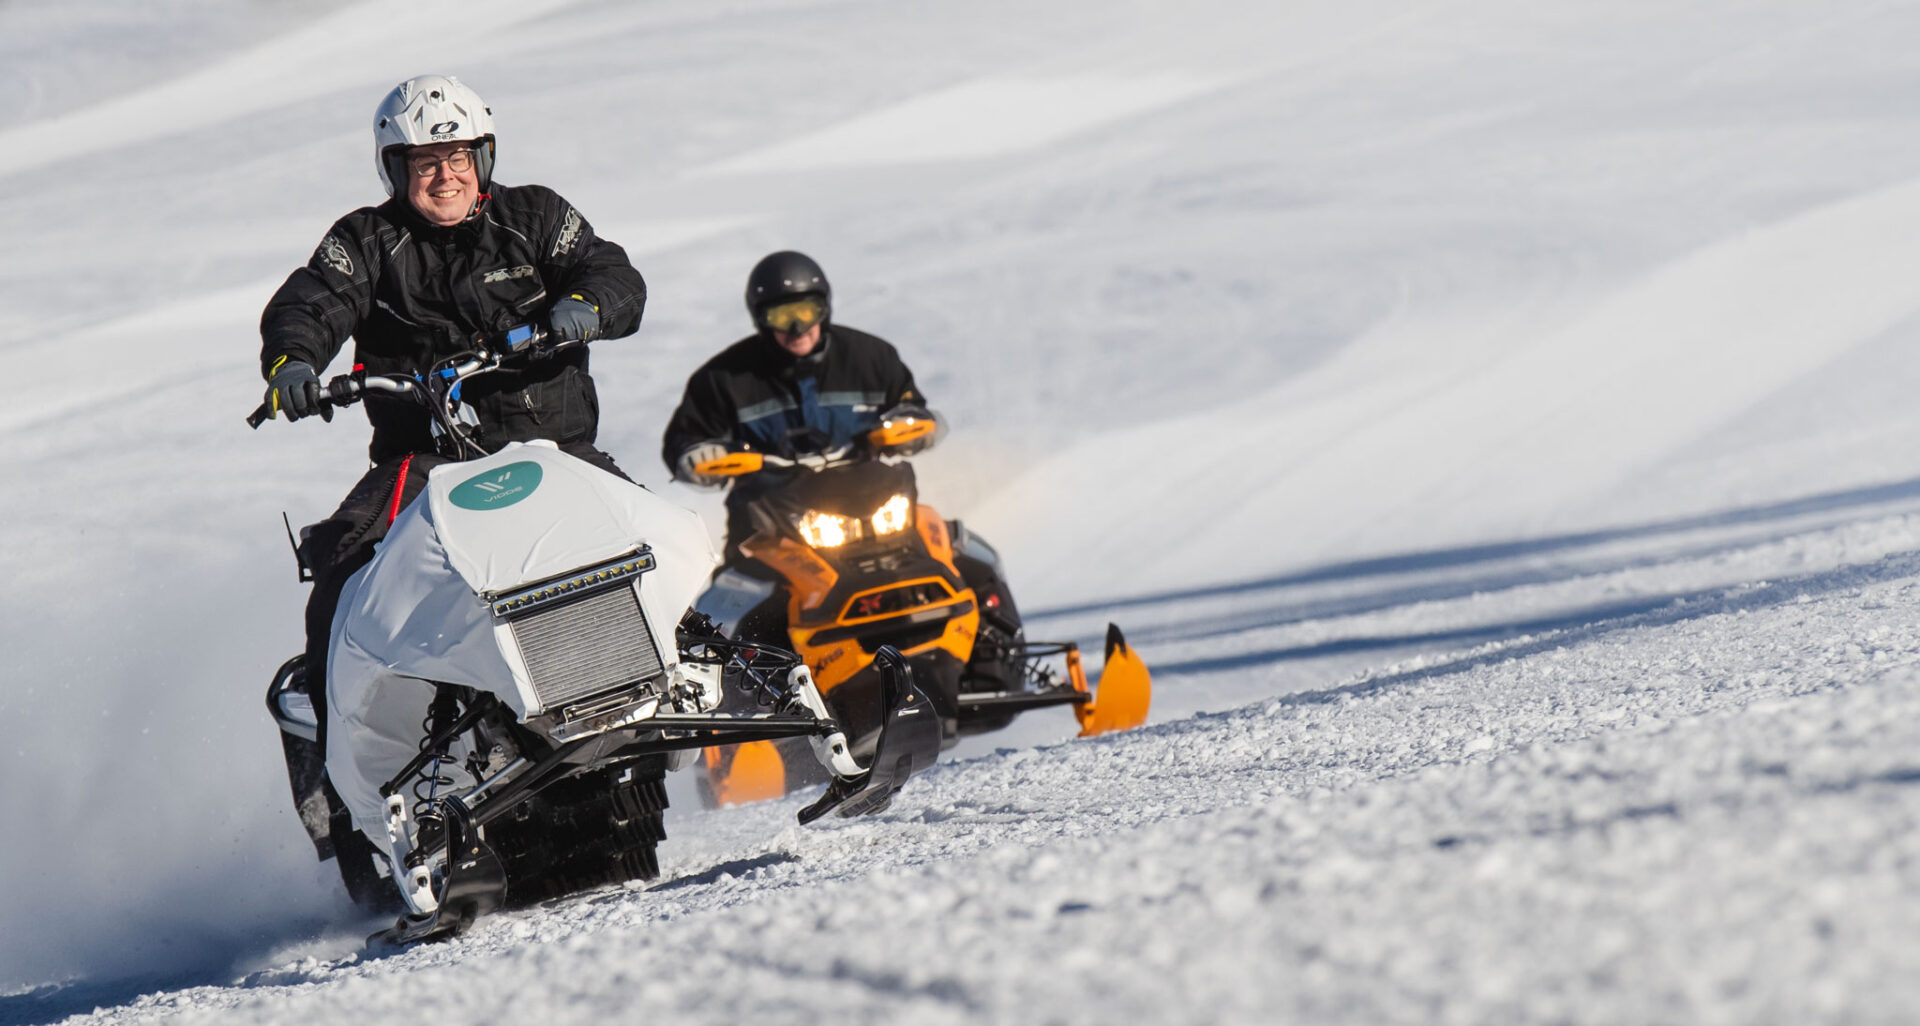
point(451, 256)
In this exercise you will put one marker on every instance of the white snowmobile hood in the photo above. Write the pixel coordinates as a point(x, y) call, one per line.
point(417, 612)
point(526, 514)
point(531, 512)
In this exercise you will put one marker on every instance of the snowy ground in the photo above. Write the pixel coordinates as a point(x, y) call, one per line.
point(1491, 420)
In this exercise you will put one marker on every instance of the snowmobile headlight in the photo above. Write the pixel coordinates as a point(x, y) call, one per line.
point(827, 530)
point(591, 579)
point(894, 516)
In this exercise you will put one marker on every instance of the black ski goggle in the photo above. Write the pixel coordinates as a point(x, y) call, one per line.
point(794, 316)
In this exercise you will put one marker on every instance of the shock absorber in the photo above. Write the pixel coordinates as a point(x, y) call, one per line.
point(441, 714)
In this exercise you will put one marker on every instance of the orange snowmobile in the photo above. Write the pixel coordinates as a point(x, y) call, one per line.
point(841, 559)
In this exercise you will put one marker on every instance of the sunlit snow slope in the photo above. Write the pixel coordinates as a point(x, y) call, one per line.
point(1492, 420)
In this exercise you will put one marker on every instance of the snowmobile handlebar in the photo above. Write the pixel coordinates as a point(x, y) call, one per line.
point(489, 355)
point(740, 463)
point(902, 432)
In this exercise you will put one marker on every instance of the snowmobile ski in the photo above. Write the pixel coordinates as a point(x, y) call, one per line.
point(475, 884)
point(1125, 689)
point(909, 742)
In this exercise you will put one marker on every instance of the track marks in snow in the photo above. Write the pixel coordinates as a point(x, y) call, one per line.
point(1704, 818)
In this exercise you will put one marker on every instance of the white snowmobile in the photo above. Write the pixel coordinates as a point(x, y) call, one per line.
point(514, 672)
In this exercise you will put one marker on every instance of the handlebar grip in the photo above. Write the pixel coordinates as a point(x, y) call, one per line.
point(341, 391)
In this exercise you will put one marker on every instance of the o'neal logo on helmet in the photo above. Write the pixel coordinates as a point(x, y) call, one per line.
point(444, 128)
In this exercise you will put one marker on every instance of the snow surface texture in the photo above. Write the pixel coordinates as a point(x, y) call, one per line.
point(1491, 420)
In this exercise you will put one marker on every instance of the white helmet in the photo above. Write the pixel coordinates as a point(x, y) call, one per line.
point(430, 109)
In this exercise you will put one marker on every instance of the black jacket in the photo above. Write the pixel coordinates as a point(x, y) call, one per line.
point(755, 393)
point(410, 293)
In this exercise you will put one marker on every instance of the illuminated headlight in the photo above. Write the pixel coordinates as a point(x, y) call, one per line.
point(827, 530)
point(894, 516)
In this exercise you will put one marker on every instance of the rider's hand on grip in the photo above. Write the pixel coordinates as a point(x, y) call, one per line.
point(905, 430)
point(294, 389)
point(687, 468)
point(573, 319)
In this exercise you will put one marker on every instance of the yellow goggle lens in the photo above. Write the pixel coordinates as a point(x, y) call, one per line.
point(796, 315)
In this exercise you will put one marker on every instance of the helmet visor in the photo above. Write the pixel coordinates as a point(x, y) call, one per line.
point(795, 315)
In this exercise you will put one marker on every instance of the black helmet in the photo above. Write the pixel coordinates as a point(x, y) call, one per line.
point(782, 276)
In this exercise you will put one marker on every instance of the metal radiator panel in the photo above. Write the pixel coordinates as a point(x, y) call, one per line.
point(587, 646)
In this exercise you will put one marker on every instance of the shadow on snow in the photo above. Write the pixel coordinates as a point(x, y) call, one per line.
point(1848, 503)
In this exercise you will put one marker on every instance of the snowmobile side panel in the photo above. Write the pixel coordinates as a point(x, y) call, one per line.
point(808, 576)
point(933, 531)
point(1124, 693)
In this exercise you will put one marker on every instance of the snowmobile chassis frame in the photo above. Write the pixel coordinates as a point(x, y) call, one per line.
point(474, 882)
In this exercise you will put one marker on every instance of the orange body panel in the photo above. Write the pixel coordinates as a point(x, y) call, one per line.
point(836, 662)
point(751, 772)
point(933, 531)
point(809, 578)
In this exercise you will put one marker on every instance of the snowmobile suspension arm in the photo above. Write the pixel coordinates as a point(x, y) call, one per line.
point(540, 773)
point(728, 730)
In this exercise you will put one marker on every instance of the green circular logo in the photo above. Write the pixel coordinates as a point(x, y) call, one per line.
point(499, 488)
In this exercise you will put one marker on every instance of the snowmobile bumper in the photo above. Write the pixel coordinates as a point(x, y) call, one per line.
point(909, 742)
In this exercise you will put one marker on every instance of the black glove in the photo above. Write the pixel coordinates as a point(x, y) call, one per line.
point(294, 390)
point(573, 319)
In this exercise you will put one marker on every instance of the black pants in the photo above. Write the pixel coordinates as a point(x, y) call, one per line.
point(336, 547)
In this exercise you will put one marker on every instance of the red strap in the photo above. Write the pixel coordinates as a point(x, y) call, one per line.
point(399, 489)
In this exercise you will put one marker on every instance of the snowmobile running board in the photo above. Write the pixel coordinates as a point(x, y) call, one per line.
point(909, 742)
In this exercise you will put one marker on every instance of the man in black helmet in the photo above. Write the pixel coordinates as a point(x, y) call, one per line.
point(799, 384)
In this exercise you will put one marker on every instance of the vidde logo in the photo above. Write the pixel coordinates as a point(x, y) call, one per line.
point(497, 489)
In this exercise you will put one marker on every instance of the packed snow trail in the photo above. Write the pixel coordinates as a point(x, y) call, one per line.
point(1701, 813)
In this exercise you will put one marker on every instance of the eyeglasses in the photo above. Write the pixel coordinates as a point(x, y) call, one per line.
point(794, 316)
point(457, 162)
